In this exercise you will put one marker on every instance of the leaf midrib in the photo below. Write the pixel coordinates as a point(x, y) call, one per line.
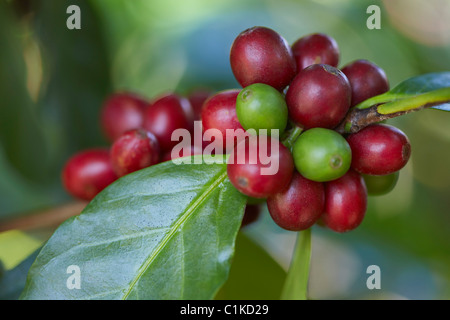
point(218, 179)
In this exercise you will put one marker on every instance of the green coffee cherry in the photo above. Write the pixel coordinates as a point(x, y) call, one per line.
point(380, 185)
point(260, 106)
point(322, 155)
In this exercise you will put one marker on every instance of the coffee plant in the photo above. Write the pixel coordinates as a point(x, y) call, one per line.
point(162, 221)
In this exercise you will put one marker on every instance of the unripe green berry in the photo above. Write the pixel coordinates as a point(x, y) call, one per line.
point(260, 106)
point(322, 155)
point(380, 185)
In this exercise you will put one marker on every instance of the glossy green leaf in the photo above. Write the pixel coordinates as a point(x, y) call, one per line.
point(296, 284)
point(165, 232)
point(424, 83)
point(414, 93)
point(254, 275)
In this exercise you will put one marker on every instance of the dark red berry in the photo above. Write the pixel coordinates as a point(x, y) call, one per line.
point(260, 169)
point(345, 202)
point(260, 55)
point(166, 114)
point(122, 112)
point(219, 112)
point(251, 214)
point(197, 98)
point(134, 150)
point(87, 173)
point(319, 96)
point(366, 79)
point(316, 48)
point(299, 206)
point(379, 149)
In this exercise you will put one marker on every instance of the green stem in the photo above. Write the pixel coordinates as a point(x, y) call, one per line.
point(375, 110)
point(296, 283)
point(293, 135)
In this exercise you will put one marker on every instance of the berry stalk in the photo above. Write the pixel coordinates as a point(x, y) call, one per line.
point(296, 283)
point(291, 137)
point(387, 108)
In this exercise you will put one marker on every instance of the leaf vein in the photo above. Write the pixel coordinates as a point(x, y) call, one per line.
point(218, 179)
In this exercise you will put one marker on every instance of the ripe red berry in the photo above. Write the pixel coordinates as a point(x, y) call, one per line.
point(345, 202)
point(219, 112)
point(260, 55)
point(87, 173)
point(134, 150)
point(166, 114)
point(260, 169)
point(299, 206)
point(251, 214)
point(197, 98)
point(122, 112)
point(366, 79)
point(319, 96)
point(379, 149)
point(316, 48)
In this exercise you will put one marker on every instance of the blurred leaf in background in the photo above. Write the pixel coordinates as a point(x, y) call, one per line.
point(21, 135)
point(13, 281)
point(254, 275)
point(54, 81)
point(76, 71)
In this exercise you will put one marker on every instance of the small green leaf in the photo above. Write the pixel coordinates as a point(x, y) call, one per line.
point(296, 284)
point(428, 89)
point(165, 232)
point(438, 98)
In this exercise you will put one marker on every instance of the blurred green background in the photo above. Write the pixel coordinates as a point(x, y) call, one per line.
point(53, 82)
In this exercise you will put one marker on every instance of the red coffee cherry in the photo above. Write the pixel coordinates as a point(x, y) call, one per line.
point(319, 96)
point(255, 176)
point(316, 48)
point(87, 173)
point(299, 206)
point(134, 150)
point(219, 112)
point(122, 112)
point(166, 114)
point(366, 79)
point(251, 214)
point(379, 149)
point(345, 202)
point(197, 98)
point(260, 55)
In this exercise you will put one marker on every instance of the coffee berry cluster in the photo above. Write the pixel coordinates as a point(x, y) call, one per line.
point(297, 91)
